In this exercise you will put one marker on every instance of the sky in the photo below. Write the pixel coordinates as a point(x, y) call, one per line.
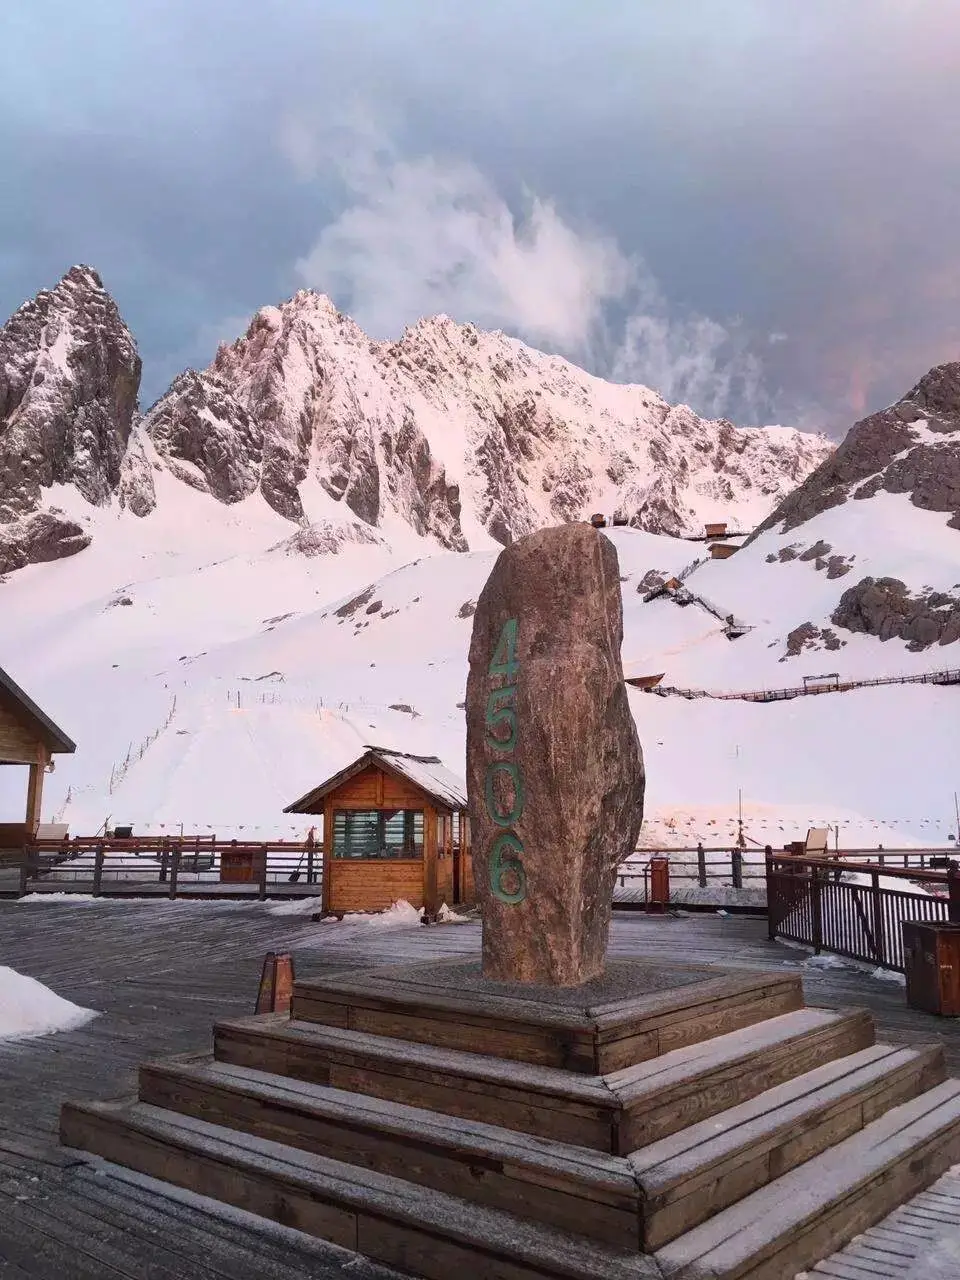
point(749, 205)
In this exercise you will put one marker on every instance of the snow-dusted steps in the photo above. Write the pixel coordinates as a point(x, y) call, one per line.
point(677, 1122)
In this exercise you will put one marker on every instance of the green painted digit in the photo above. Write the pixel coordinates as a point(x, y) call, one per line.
point(512, 770)
point(499, 714)
point(508, 880)
point(504, 661)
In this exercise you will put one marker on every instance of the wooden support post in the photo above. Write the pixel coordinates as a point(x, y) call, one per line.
point(35, 792)
point(879, 942)
point(311, 847)
point(98, 871)
point(430, 904)
point(736, 867)
point(953, 889)
point(263, 874)
point(701, 866)
point(771, 893)
point(816, 906)
point(176, 855)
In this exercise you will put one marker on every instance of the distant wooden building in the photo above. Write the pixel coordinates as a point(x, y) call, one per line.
point(722, 550)
point(394, 826)
point(644, 682)
point(27, 737)
point(716, 530)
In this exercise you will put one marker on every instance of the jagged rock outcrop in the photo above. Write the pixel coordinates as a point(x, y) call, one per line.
point(69, 378)
point(912, 447)
point(327, 537)
point(457, 432)
point(885, 607)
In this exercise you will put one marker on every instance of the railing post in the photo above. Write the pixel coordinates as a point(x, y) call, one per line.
point(175, 868)
point(98, 871)
point(701, 865)
point(736, 866)
point(310, 851)
point(771, 892)
point(164, 861)
point(879, 942)
point(263, 875)
point(27, 867)
point(953, 889)
point(816, 909)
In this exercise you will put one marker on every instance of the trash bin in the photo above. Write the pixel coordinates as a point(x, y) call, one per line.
point(931, 957)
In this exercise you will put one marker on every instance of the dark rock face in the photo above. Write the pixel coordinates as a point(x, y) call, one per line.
point(913, 447)
point(39, 537)
point(69, 378)
point(885, 608)
point(554, 768)
point(206, 438)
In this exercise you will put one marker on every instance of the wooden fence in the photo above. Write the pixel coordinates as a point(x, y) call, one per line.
point(945, 677)
point(809, 902)
point(171, 866)
point(714, 862)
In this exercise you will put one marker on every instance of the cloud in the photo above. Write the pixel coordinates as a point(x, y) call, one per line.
point(425, 235)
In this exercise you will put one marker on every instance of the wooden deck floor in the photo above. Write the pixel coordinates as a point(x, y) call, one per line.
point(161, 973)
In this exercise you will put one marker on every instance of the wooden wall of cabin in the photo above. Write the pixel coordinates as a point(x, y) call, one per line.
point(372, 884)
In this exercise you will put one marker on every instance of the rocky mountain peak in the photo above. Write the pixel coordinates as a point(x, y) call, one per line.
point(69, 378)
point(912, 447)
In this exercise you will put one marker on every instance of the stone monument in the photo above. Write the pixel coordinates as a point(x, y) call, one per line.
point(555, 776)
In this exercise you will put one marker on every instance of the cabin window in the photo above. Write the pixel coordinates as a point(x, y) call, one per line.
point(378, 833)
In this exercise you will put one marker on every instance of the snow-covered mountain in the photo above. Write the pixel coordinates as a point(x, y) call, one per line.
point(214, 657)
point(458, 436)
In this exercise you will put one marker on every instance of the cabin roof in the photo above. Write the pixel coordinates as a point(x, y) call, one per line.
point(427, 773)
point(52, 737)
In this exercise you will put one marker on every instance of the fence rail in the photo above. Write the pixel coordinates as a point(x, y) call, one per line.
point(809, 902)
point(946, 677)
point(170, 866)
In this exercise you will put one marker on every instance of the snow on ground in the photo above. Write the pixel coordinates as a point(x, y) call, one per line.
point(237, 678)
point(29, 1009)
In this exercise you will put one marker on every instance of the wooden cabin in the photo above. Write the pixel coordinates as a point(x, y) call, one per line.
point(716, 530)
point(29, 738)
point(722, 550)
point(394, 826)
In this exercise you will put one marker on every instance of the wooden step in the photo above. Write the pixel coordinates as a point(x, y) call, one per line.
point(636, 1011)
point(695, 1173)
point(616, 1113)
point(564, 1106)
point(816, 1208)
point(688, 1085)
point(529, 1176)
point(393, 1221)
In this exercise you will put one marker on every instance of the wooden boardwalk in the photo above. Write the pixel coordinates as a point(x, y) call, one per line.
point(161, 973)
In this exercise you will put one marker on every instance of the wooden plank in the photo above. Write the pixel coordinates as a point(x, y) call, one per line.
point(564, 1106)
point(810, 1211)
point(390, 1220)
point(535, 1178)
point(687, 1085)
point(695, 1173)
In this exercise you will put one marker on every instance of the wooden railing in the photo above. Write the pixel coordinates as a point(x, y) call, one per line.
point(716, 862)
point(943, 677)
point(808, 901)
point(171, 866)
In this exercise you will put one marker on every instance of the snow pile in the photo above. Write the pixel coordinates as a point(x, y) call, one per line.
point(29, 1009)
point(448, 916)
point(401, 915)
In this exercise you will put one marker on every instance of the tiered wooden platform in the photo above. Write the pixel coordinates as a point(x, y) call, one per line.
point(681, 1122)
